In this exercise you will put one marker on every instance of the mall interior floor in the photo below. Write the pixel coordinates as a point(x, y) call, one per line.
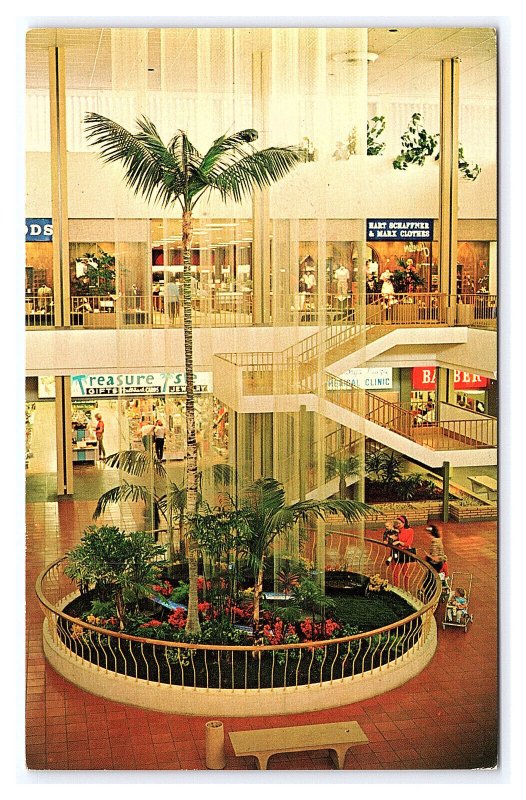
point(445, 718)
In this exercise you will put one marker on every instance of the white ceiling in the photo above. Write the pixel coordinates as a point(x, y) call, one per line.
point(407, 64)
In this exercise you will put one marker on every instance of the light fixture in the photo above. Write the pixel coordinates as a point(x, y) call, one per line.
point(351, 56)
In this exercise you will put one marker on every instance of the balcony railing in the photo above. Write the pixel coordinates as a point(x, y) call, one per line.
point(234, 309)
point(477, 432)
point(278, 667)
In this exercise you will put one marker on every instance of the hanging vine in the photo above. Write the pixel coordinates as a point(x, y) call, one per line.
point(375, 128)
point(418, 144)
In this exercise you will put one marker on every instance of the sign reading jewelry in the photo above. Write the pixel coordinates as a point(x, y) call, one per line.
point(400, 230)
point(128, 385)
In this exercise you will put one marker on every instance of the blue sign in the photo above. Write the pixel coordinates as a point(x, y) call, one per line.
point(39, 229)
point(400, 230)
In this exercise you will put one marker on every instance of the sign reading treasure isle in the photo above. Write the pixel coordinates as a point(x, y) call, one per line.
point(128, 384)
point(400, 230)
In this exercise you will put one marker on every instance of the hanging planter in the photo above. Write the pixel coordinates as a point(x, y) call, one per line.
point(375, 128)
point(418, 144)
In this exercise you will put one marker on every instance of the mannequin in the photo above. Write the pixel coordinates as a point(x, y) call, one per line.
point(309, 281)
point(44, 298)
point(342, 281)
point(387, 289)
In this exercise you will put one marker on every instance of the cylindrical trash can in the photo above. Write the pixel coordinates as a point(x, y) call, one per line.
point(215, 745)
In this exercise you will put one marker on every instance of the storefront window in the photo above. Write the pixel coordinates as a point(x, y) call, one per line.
point(39, 295)
point(221, 264)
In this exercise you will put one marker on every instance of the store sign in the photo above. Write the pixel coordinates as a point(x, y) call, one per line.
point(370, 378)
point(128, 385)
point(424, 378)
point(39, 229)
point(400, 230)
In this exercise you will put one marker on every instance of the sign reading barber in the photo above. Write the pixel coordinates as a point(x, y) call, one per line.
point(39, 229)
point(400, 230)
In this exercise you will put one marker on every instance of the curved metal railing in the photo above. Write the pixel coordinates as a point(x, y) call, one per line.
point(272, 666)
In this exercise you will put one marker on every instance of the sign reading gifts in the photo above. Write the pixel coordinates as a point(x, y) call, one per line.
point(400, 230)
point(426, 378)
point(125, 384)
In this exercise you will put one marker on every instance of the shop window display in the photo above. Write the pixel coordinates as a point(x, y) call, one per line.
point(221, 263)
point(39, 295)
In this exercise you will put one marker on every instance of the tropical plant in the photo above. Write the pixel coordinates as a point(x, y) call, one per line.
point(178, 173)
point(99, 275)
point(407, 486)
point(342, 466)
point(406, 280)
point(137, 464)
point(375, 128)
point(120, 566)
point(307, 151)
point(418, 144)
point(467, 170)
point(383, 465)
point(344, 150)
point(267, 515)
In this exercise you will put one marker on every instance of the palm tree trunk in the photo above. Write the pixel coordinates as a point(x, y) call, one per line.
point(192, 624)
point(258, 589)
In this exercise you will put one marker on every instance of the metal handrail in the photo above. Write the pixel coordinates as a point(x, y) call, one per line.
point(412, 630)
point(442, 434)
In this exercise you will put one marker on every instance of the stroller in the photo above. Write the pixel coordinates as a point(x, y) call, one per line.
point(457, 613)
point(446, 582)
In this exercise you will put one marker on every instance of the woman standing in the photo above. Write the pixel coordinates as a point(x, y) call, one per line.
point(436, 558)
point(404, 542)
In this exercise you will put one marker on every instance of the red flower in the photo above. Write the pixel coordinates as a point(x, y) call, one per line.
point(178, 618)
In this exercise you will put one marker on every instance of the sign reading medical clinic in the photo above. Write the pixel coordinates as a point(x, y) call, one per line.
point(39, 229)
point(369, 377)
point(128, 385)
point(399, 230)
point(424, 378)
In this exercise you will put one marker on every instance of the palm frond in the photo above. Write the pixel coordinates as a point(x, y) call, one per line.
point(225, 150)
point(135, 462)
point(149, 166)
point(255, 171)
point(185, 155)
point(121, 494)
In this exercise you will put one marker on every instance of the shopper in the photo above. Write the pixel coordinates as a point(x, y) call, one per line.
point(99, 435)
point(436, 557)
point(172, 297)
point(159, 435)
point(147, 429)
point(404, 542)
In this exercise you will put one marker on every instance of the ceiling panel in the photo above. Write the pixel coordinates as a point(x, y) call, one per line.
point(407, 63)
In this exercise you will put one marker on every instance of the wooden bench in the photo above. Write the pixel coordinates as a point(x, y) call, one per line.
point(336, 737)
point(483, 484)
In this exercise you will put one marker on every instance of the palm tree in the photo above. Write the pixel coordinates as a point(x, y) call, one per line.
point(342, 465)
point(178, 173)
point(172, 503)
point(267, 515)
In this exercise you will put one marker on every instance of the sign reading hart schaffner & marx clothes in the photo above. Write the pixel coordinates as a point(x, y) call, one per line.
point(128, 384)
point(400, 230)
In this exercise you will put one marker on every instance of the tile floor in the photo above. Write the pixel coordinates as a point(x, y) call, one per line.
point(445, 718)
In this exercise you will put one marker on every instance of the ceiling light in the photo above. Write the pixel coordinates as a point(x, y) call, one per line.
point(351, 56)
